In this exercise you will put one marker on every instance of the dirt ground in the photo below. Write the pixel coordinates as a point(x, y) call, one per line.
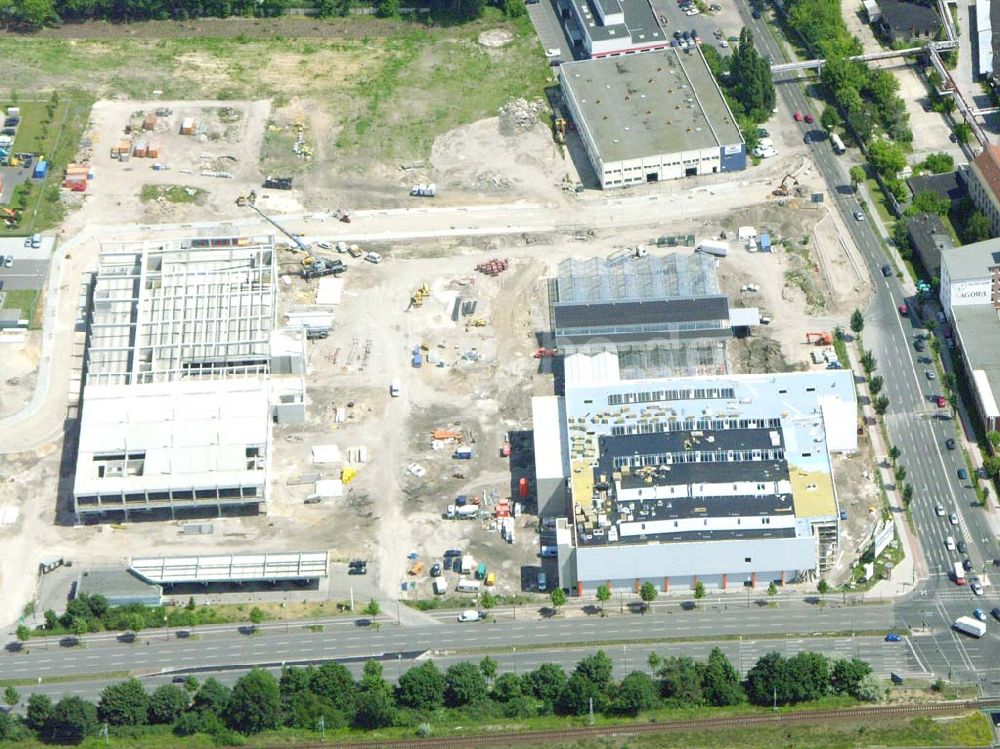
point(228, 140)
point(18, 372)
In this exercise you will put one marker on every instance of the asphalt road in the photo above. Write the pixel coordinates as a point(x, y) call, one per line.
point(914, 424)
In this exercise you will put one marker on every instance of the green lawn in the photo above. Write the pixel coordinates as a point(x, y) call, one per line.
point(25, 300)
point(172, 193)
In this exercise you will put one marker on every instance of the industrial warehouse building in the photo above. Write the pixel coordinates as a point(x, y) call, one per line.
point(724, 480)
point(655, 316)
point(612, 27)
point(970, 297)
point(183, 378)
point(652, 117)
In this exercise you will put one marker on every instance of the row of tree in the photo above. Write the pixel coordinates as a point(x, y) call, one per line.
point(37, 13)
point(328, 695)
point(745, 79)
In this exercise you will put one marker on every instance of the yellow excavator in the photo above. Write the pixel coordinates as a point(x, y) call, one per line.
point(244, 200)
point(477, 323)
point(420, 295)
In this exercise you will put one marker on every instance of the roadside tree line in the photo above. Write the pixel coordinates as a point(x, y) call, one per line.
point(328, 695)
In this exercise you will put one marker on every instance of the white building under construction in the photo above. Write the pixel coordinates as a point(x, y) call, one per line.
point(184, 376)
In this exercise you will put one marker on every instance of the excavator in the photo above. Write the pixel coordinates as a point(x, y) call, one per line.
point(782, 191)
point(419, 296)
point(245, 200)
point(820, 339)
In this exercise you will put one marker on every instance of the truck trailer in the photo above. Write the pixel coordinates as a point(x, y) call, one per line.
point(959, 574)
point(970, 626)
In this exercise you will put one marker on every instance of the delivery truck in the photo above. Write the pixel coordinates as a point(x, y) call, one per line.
point(959, 574)
point(440, 586)
point(463, 512)
point(970, 626)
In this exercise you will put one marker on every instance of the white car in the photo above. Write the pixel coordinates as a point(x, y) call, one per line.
point(415, 469)
point(723, 44)
point(553, 52)
point(373, 257)
point(939, 511)
point(325, 245)
point(977, 587)
point(469, 616)
point(953, 519)
point(692, 12)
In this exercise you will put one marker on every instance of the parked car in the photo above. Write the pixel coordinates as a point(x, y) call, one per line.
point(929, 374)
point(940, 401)
point(755, 13)
point(893, 637)
point(373, 257)
point(797, 116)
point(980, 615)
point(949, 443)
point(963, 475)
point(810, 119)
point(436, 570)
point(995, 613)
point(552, 52)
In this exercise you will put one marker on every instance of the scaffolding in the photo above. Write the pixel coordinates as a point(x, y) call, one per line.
point(626, 278)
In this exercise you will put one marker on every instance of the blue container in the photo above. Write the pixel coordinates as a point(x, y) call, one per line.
point(418, 361)
point(41, 169)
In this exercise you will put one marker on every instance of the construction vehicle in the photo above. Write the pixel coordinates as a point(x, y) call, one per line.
point(477, 323)
point(560, 124)
point(417, 568)
point(343, 215)
point(544, 353)
point(313, 267)
point(278, 183)
point(247, 200)
point(782, 191)
point(419, 296)
point(819, 339)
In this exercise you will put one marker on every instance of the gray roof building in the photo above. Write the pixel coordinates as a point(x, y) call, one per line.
point(653, 116)
point(908, 20)
point(929, 237)
point(947, 186)
point(120, 587)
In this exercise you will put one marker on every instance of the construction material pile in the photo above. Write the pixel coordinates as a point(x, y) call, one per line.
point(519, 115)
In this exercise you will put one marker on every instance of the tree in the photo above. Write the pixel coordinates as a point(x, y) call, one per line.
point(808, 676)
point(256, 615)
point(928, 202)
point(487, 600)
point(35, 13)
point(507, 687)
point(908, 493)
point(963, 133)
point(857, 322)
point(857, 176)
point(38, 712)
point(636, 693)
point(647, 592)
point(387, 8)
point(869, 689)
point(767, 680)
point(22, 633)
point(464, 684)
point(881, 405)
point(558, 598)
point(167, 703)
point(546, 682)
point(680, 681)
point(604, 593)
point(868, 361)
point(900, 474)
point(514, 8)
point(255, 703)
point(579, 694)
point(335, 684)
point(699, 590)
point(375, 709)
point(829, 119)
point(846, 675)
point(212, 696)
point(894, 452)
point(720, 681)
point(124, 704)
point(939, 163)
point(79, 626)
point(11, 697)
point(373, 609)
point(597, 668)
point(875, 384)
point(992, 465)
point(977, 228)
point(823, 587)
point(888, 158)
point(9, 730)
point(421, 687)
point(71, 721)
point(950, 381)
point(772, 589)
point(750, 79)
point(489, 668)
point(993, 435)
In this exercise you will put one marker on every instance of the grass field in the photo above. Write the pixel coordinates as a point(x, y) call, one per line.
point(172, 194)
point(386, 97)
point(25, 300)
point(50, 127)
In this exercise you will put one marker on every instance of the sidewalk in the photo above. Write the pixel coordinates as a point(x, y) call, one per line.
point(904, 575)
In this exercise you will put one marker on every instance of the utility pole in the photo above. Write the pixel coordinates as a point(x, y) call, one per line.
point(321, 726)
point(590, 718)
point(774, 700)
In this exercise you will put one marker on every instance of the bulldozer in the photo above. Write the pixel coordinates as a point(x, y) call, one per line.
point(782, 191)
point(820, 339)
point(477, 323)
point(245, 200)
point(419, 296)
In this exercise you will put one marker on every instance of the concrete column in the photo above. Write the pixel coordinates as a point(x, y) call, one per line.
point(666, 585)
point(638, 584)
point(723, 582)
point(753, 579)
point(579, 589)
point(694, 582)
point(782, 577)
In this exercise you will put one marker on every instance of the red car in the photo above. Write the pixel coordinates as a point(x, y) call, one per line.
point(810, 119)
point(941, 402)
point(798, 116)
point(904, 310)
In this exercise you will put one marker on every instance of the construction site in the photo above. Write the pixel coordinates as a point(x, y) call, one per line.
point(427, 328)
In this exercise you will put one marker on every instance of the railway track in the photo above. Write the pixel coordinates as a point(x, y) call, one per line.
point(585, 732)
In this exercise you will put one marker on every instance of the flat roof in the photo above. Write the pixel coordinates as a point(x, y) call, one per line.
point(178, 435)
point(118, 586)
point(231, 567)
point(548, 418)
point(648, 104)
point(639, 27)
point(631, 320)
point(625, 278)
point(971, 261)
point(974, 324)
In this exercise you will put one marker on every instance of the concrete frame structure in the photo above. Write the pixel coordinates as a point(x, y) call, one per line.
point(231, 568)
point(652, 117)
point(178, 399)
point(720, 480)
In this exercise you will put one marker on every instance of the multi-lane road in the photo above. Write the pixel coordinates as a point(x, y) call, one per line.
point(914, 424)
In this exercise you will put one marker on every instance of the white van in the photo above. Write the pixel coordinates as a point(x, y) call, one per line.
point(440, 586)
point(950, 543)
point(467, 586)
point(394, 387)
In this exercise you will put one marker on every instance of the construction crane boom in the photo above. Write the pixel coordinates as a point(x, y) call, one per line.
point(251, 201)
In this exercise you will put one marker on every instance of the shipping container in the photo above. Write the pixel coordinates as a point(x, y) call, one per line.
point(41, 169)
point(463, 453)
point(187, 126)
point(149, 123)
point(417, 361)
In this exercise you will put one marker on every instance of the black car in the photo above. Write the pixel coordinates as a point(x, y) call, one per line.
point(949, 443)
point(357, 567)
point(435, 570)
point(179, 679)
point(886, 271)
point(961, 546)
point(919, 345)
point(995, 614)
point(755, 13)
point(452, 553)
point(447, 563)
point(967, 564)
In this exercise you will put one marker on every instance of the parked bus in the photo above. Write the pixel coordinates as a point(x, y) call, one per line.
point(838, 144)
